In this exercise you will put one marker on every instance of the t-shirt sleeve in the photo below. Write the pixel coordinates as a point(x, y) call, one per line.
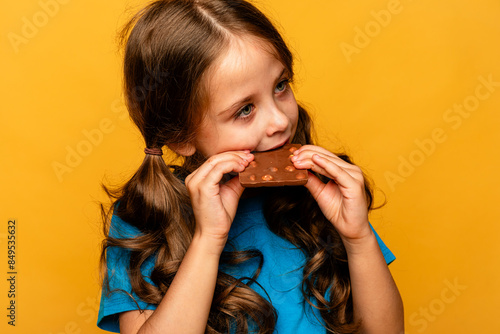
point(388, 255)
point(118, 300)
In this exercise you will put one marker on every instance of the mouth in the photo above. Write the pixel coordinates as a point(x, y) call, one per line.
point(278, 146)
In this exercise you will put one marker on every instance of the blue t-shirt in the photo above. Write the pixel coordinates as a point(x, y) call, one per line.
point(280, 276)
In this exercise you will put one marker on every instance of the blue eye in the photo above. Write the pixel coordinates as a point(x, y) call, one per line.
point(245, 112)
point(281, 86)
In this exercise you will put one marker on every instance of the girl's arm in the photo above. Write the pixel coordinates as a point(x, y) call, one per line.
point(376, 298)
point(186, 304)
point(342, 200)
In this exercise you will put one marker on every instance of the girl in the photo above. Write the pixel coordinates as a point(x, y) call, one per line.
point(187, 250)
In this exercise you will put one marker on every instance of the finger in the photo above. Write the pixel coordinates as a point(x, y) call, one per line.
point(208, 182)
point(241, 157)
point(314, 185)
point(335, 172)
point(234, 185)
point(307, 151)
point(307, 156)
point(245, 155)
point(315, 148)
point(231, 191)
point(308, 163)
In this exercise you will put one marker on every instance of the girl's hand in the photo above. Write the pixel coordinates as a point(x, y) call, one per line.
point(214, 204)
point(343, 199)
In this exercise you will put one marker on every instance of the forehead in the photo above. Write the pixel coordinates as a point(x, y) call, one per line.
point(244, 62)
point(240, 49)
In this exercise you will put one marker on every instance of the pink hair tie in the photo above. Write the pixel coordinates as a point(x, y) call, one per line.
point(153, 151)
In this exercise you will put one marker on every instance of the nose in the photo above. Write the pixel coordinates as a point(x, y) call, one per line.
point(278, 121)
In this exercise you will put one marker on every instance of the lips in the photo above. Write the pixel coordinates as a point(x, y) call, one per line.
point(279, 145)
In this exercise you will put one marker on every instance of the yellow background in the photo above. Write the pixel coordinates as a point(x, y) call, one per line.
point(382, 101)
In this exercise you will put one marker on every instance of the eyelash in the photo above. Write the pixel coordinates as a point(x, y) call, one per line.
point(239, 113)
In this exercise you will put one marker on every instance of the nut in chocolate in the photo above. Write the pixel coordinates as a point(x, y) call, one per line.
point(273, 169)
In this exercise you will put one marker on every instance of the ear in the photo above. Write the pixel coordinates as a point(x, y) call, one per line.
point(184, 149)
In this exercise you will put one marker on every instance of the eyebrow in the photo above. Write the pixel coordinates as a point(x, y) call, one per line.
point(246, 99)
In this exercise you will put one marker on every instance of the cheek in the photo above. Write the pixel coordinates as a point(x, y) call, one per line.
point(292, 107)
point(293, 114)
point(232, 139)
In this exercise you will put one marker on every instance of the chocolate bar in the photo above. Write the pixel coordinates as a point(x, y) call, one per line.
point(273, 169)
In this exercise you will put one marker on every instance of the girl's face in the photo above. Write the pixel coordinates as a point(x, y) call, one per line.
point(251, 104)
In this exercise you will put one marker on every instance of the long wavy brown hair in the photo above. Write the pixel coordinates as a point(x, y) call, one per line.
point(169, 47)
